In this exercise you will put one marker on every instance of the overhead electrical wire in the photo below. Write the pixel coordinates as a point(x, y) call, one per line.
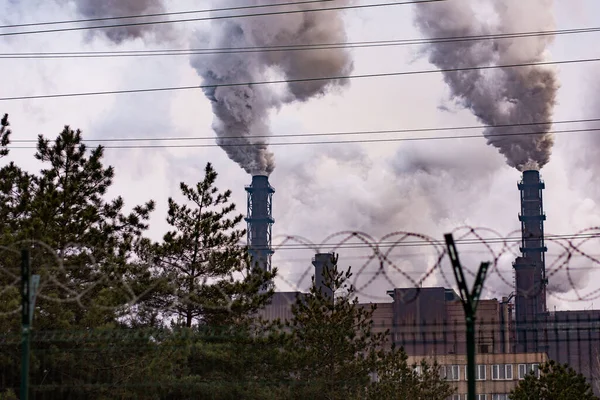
point(220, 17)
point(306, 47)
point(483, 240)
point(328, 142)
point(162, 14)
point(388, 244)
point(300, 80)
point(370, 132)
point(295, 47)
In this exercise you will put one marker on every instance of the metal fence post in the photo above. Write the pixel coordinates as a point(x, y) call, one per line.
point(25, 322)
point(29, 286)
point(469, 301)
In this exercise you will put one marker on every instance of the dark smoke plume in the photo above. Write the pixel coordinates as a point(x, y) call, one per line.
point(521, 95)
point(118, 8)
point(243, 111)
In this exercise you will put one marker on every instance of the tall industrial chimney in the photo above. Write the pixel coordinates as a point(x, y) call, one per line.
point(260, 220)
point(530, 268)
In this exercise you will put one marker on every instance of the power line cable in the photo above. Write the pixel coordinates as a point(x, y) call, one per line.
point(482, 240)
point(220, 17)
point(371, 132)
point(163, 14)
point(295, 47)
point(425, 243)
point(301, 80)
point(329, 142)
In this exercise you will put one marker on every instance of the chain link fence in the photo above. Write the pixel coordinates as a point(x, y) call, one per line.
point(407, 275)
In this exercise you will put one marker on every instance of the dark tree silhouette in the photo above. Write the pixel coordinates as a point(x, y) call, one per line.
point(556, 382)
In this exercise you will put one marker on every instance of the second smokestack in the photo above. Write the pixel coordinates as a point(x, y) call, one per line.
point(530, 268)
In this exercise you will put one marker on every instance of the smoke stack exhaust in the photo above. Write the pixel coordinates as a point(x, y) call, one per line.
point(530, 268)
point(121, 8)
point(519, 101)
point(241, 112)
point(260, 221)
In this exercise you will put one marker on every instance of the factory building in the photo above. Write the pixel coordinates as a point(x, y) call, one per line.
point(280, 306)
point(513, 333)
point(496, 374)
point(429, 322)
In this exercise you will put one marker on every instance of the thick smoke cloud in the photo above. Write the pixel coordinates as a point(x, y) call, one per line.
point(242, 112)
point(585, 151)
point(522, 95)
point(116, 8)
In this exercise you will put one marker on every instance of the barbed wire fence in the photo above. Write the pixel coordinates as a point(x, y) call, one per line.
point(125, 358)
point(380, 258)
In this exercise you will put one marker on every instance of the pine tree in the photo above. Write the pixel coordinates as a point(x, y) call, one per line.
point(81, 245)
point(398, 380)
point(328, 351)
point(210, 280)
point(14, 187)
point(210, 292)
point(92, 239)
point(4, 135)
point(330, 345)
point(556, 382)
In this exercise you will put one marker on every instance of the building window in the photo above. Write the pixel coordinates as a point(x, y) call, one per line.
point(484, 349)
point(509, 372)
point(454, 397)
point(522, 371)
point(479, 372)
point(501, 372)
point(525, 369)
point(481, 397)
point(500, 396)
point(452, 372)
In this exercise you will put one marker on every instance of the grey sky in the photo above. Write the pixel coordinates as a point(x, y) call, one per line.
point(429, 187)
